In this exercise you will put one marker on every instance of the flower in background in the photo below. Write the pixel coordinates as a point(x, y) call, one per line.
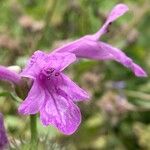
point(90, 47)
point(53, 94)
point(3, 137)
point(9, 75)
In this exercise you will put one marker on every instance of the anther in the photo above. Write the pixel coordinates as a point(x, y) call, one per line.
point(57, 74)
point(48, 78)
point(50, 70)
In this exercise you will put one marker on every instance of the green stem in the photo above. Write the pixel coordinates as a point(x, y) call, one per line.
point(33, 129)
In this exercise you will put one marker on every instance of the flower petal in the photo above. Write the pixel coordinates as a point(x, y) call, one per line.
point(98, 50)
point(40, 59)
point(34, 100)
point(11, 76)
point(116, 12)
point(60, 61)
point(123, 59)
point(85, 48)
point(61, 113)
point(65, 87)
point(69, 89)
point(139, 72)
point(34, 65)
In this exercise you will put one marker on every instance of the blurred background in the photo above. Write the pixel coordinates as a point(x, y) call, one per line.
point(118, 115)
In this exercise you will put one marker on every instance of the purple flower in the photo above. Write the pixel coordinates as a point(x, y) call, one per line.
point(11, 76)
point(53, 94)
point(3, 137)
point(90, 47)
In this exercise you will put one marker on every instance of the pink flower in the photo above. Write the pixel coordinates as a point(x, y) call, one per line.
point(53, 94)
point(90, 47)
point(8, 75)
point(3, 137)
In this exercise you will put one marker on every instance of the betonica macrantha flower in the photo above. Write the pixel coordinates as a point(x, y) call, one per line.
point(53, 94)
point(91, 47)
point(3, 137)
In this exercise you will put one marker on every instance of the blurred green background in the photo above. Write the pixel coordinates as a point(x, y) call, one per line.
point(118, 115)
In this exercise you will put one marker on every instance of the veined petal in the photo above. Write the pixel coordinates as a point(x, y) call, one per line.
point(72, 90)
point(40, 60)
point(98, 50)
point(33, 101)
point(85, 48)
point(123, 59)
point(70, 47)
point(61, 113)
point(34, 65)
point(65, 87)
point(116, 12)
point(60, 61)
